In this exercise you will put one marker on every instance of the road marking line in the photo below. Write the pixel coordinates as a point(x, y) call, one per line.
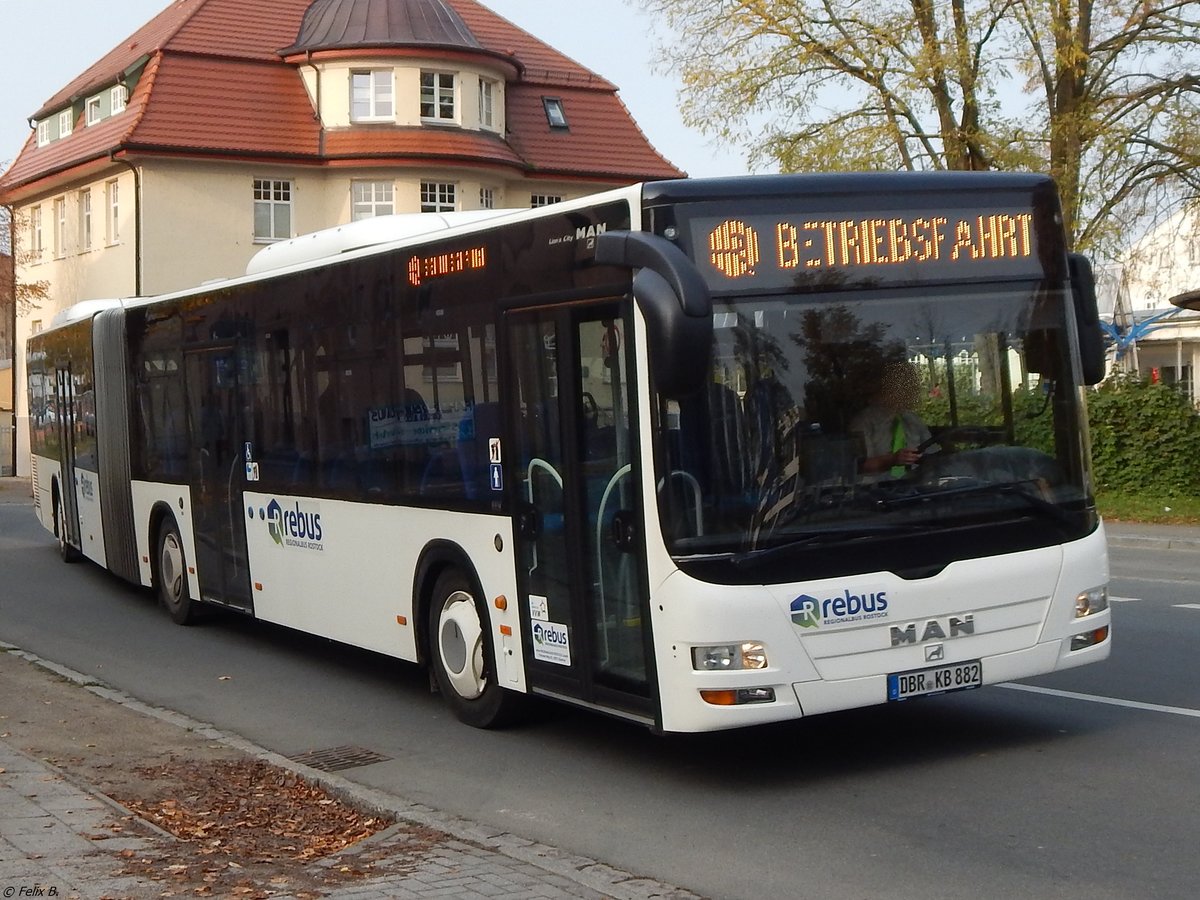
point(1187, 605)
point(1177, 582)
point(1124, 599)
point(1109, 701)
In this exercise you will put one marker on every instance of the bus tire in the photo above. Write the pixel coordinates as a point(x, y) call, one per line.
point(66, 552)
point(170, 574)
point(462, 655)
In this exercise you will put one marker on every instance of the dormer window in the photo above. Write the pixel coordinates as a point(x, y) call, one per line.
point(43, 132)
point(118, 97)
point(555, 114)
point(372, 96)
point(438, 97)
point(66, 122)
point(93, 111)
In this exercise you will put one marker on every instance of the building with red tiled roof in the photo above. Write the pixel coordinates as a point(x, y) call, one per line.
point(223, 125)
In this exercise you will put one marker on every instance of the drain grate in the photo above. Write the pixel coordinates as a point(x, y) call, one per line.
point(335, 759)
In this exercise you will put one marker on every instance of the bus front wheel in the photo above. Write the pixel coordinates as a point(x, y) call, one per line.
point(171, 574)
point(461, 653)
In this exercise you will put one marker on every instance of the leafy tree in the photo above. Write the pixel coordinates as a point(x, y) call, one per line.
point(29, 295)
point(1099, 93)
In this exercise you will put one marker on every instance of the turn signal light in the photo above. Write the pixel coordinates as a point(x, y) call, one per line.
point(739, 696)
point(1089, 638)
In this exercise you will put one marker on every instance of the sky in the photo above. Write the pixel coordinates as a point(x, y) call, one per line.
point(51, 41)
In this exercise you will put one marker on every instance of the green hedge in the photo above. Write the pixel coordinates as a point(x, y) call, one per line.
point(1145, 438)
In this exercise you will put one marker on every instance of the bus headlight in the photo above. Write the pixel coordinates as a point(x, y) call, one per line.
point(726, 657)
point(1092, 601)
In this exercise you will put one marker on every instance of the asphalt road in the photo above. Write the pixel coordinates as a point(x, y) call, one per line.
point(1087, 787)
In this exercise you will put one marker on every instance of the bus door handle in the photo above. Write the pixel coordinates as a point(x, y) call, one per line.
point(624, 530)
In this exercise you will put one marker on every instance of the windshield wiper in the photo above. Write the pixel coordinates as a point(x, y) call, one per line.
point(820, 536)
point(1001, 488)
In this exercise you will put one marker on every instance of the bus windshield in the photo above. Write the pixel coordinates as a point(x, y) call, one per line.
point(893, 429)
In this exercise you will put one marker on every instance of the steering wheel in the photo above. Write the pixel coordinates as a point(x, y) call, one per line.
point(947, 435)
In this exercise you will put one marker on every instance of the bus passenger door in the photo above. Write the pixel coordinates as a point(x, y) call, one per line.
point(64, 400)
point(216, 410)
point(575, 487)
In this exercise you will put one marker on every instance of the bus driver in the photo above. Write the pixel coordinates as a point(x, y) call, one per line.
point(890, 429)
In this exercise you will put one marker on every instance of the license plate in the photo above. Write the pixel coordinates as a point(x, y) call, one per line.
point(938, 680)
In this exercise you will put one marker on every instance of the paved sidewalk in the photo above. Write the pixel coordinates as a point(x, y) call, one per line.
point(61, 837)
point(45, 848)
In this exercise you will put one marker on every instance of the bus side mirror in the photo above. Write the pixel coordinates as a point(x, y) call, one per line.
point(676, 303)
point(1087, 318)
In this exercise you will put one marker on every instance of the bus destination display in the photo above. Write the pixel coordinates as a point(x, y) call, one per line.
point(440, 265)
point(763, 251)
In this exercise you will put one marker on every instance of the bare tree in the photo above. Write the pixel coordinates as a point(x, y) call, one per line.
point(1099, 93)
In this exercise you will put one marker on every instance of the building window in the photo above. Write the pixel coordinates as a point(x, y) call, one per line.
point(66, 123)
point(35, 326)
point(112, 203)
point(92, 111)
point(372, 198)
point(43, 132)
point(487, 103)
point(438, 196)
point(272, 209)
point(118, 98)
point(371, 95)
point(437, 96)
point(85, 220)
point(536, 200)
point(36, 242)
point(60, 227)
point(487, 198)
point(555, 114)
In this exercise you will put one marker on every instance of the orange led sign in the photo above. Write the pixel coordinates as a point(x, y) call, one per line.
point(916, 246)
point(441, 265)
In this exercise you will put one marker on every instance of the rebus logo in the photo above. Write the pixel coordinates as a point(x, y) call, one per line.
point(553, 636)
point(297, 527)
point(811, 612)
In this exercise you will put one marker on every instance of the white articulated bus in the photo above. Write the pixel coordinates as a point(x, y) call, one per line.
point(617, 451)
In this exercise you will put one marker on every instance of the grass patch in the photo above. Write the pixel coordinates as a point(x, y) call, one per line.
point(1117, 506)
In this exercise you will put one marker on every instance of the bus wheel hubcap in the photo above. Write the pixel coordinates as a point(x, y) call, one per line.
point(172, 567)
point(460, 645)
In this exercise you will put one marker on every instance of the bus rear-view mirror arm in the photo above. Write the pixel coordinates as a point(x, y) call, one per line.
point(676, 303)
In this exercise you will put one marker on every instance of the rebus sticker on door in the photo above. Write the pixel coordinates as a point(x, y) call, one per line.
point(551, 643)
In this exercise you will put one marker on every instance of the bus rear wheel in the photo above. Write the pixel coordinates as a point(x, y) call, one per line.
point(170, 572)
point(461, 653)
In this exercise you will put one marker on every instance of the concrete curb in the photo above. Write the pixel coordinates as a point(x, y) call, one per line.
point(1138, 542)
point(583, 871)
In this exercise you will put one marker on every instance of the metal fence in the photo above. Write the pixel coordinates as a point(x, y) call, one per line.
point(8, 443)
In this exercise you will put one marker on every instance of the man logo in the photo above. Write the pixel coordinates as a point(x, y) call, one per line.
point(933, 630)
